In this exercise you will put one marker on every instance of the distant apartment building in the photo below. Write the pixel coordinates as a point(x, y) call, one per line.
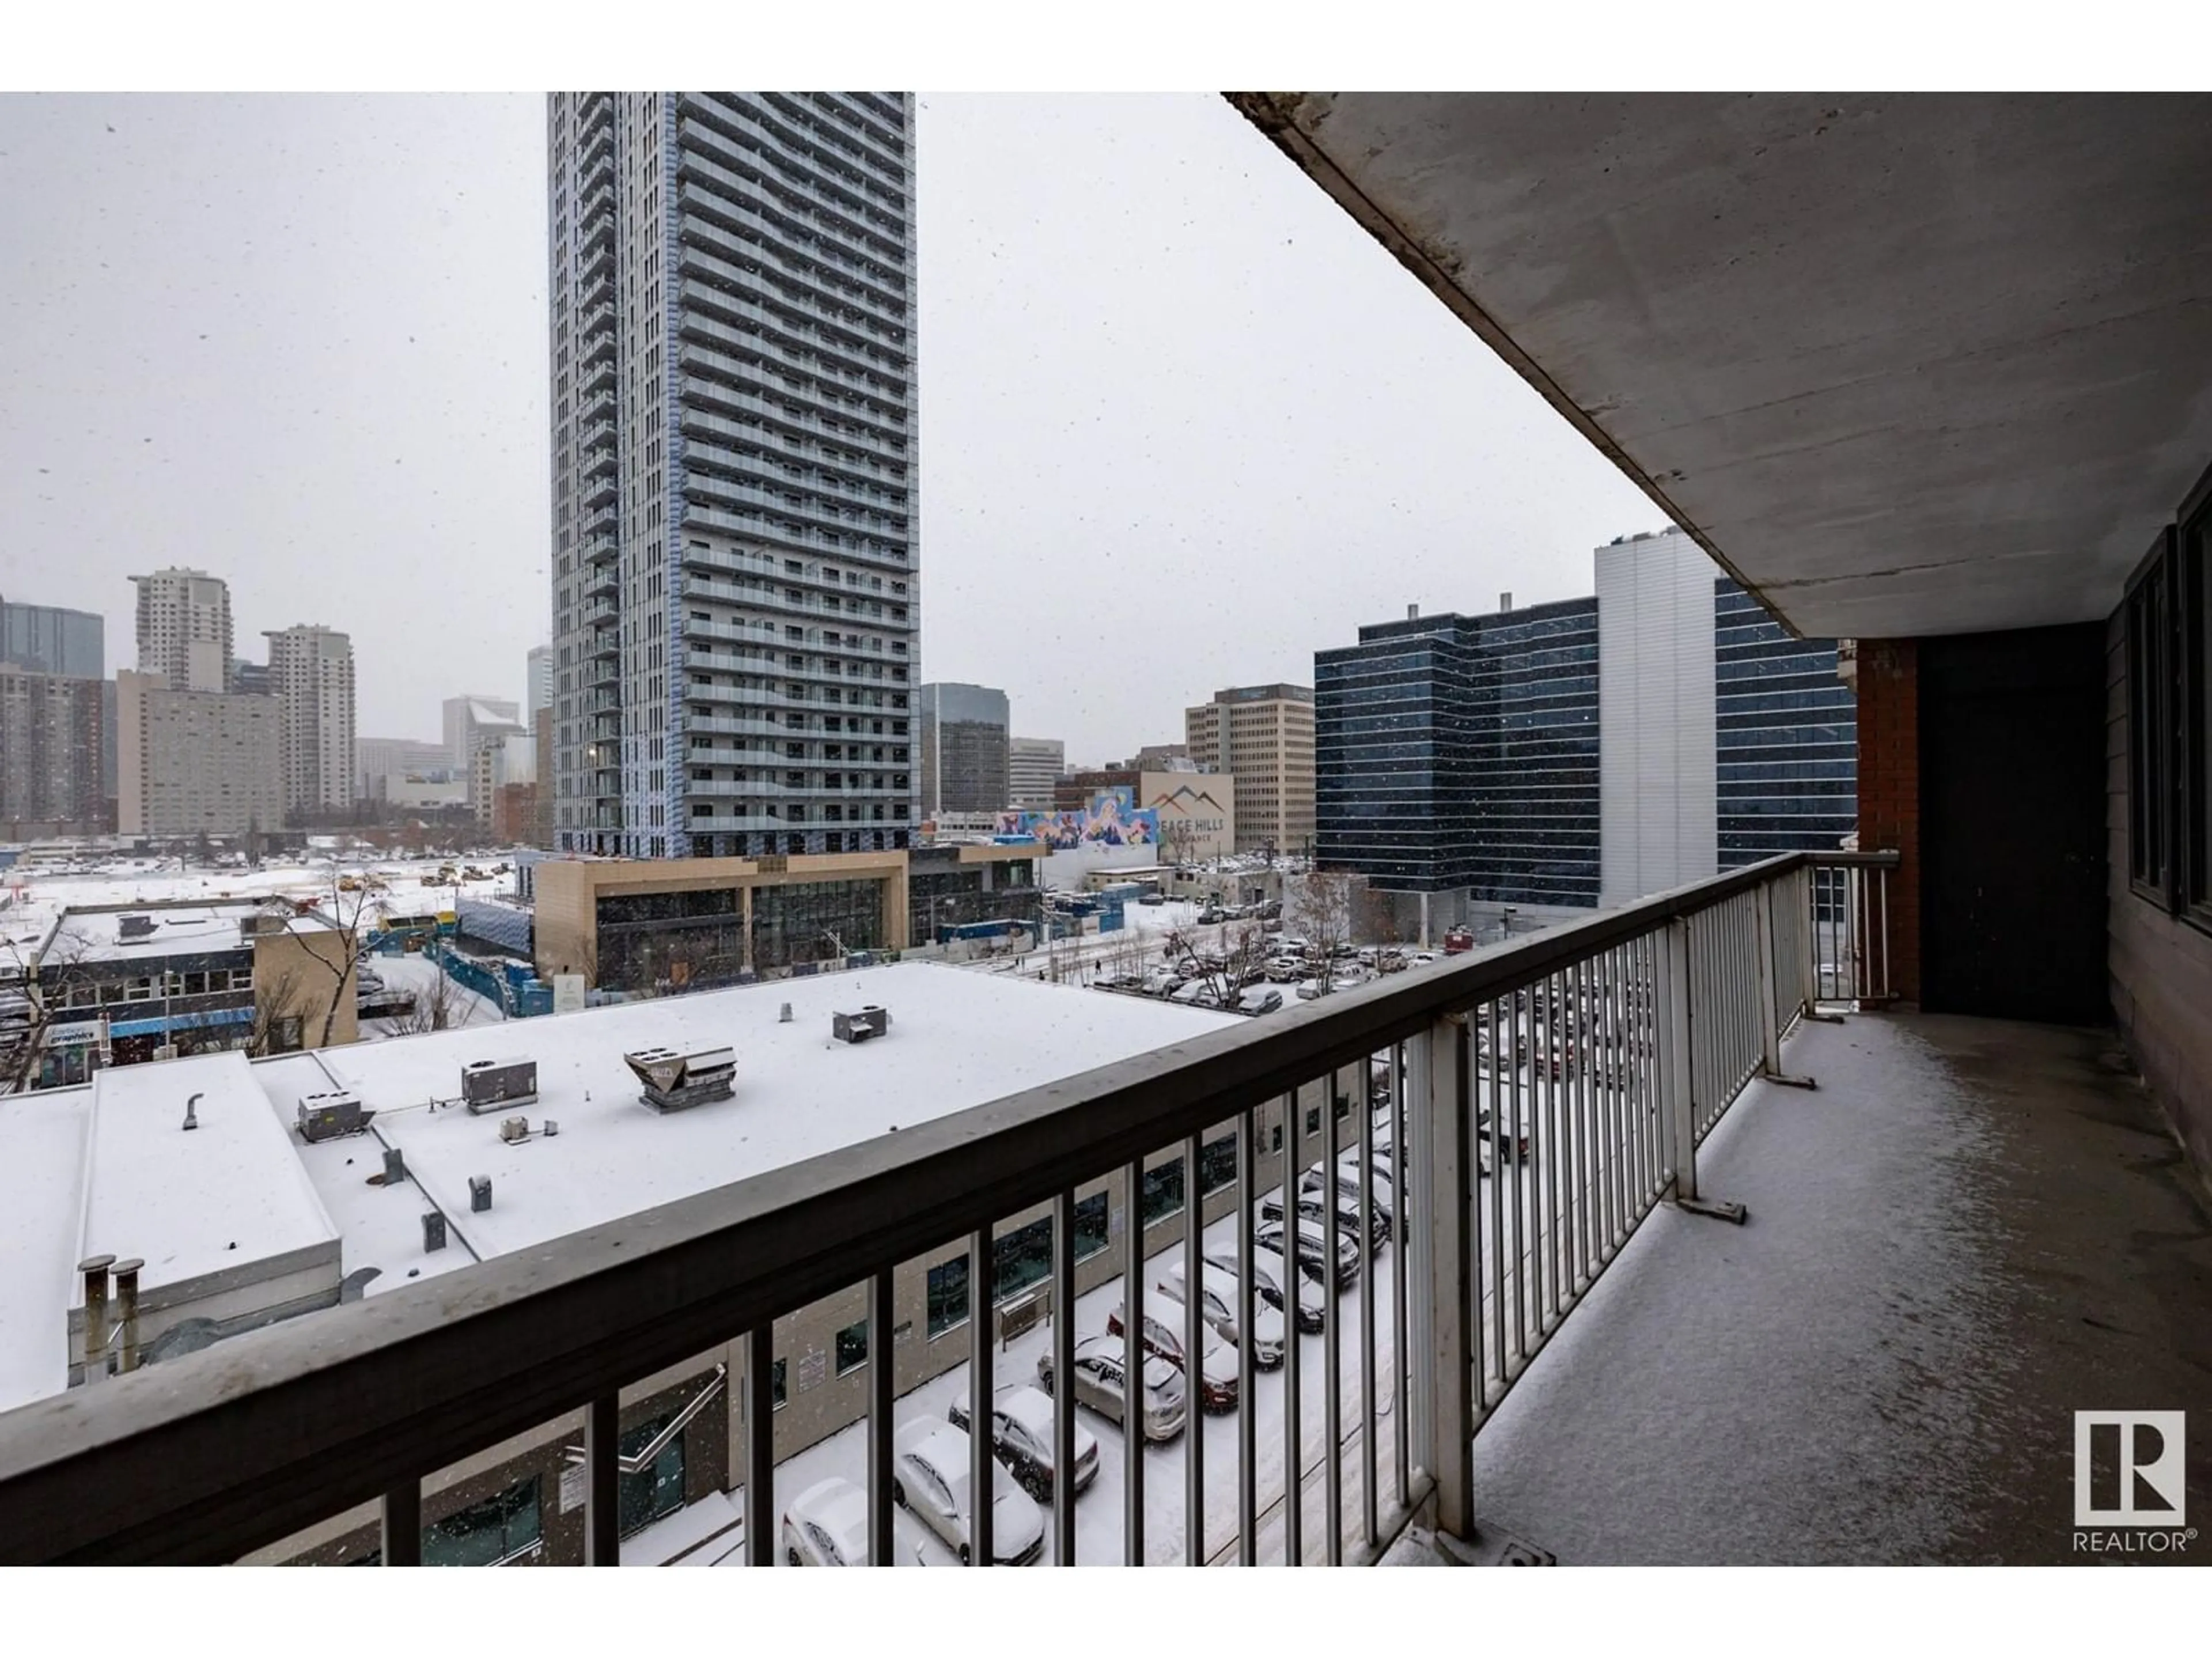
point(1725, 740)
point(1458, 754)
point(379, 759)
point(503, 762)
point(1262, 736)
point(183, 630)
point(52, 732)
point(251, 678)
point(470, 719)
point(1033, 767)
point(195, 762)
point(46, 639)
point(964, 748)
point(735, 549)
point(49, 638)
point(312, 674)
point(538, 677)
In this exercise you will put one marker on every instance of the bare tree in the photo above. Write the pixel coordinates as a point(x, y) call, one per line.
point(348, 917)
point(1319, 906)
point(440, 1006)
point(42, 976)
point(281, 1007)
point(1223, 969)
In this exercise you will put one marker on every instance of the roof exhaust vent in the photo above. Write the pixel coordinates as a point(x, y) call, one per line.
point(192, 1113)
point(434, 1230)
point(676, 1078)
point(870, 1022)
point(514, 1129)
point(1413, 613)
point(395, 1167)
point(480, 1192)
point(784, 1018)
point(1505, 601)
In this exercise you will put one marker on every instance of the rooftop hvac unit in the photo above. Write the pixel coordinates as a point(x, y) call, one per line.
point(675, 1078)
point(486, 1084)
point(129, 927)
point(870, 1022)
point(331, 1114)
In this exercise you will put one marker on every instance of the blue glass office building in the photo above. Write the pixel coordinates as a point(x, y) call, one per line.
point(1786, 735)
point(1460, 753)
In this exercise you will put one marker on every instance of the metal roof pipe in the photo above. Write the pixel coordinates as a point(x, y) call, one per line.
point(126, 1312)
point(94, 1269)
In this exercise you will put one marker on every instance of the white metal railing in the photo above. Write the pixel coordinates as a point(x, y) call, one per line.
point(1511, 1115)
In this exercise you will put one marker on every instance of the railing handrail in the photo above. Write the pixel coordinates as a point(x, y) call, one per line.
point(209, 1455)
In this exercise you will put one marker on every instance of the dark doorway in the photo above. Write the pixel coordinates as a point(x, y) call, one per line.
point(2012, 823)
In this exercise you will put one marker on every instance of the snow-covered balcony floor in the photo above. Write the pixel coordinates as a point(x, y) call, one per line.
point(1969, 1231)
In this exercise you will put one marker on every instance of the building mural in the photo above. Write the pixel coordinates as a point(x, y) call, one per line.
point(1112, 819)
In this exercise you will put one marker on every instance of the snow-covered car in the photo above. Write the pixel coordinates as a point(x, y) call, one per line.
point(1284, 970)
point(1343, 1175)
point(1259, 999)
point(827, 1526)
point(929, 1479)
point(1099, 1379)
point(1312, 1248)
point(1268, 1275)
point(1216, 1371)
point(1310, 1209)
point(1022, 1438)
point(1218, 1305)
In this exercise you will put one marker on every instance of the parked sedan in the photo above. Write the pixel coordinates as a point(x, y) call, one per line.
point(1312, 1247)
point(1267, 1287)
point(827, 1526)
point(1022, 1439)
point(929, 1478)
point(1343, 1179)
point(1218, 1306)
point(1163, 1335)
point(1347, 1219)
point(1100, 1384)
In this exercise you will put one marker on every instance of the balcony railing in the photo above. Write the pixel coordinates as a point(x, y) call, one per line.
point(1537, 1100)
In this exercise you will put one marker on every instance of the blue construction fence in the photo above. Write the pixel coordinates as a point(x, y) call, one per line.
point(514, 985)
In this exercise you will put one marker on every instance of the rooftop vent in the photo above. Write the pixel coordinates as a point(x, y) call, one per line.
point(331, 1114)
point(479, 1192)
point(489, 1083)
point(1505, 601)
point(129, 927)
point(675, 1078)
point(514, 1129)
point(870, 1022)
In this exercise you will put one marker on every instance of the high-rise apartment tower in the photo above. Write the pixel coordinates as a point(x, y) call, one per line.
point(736, 568)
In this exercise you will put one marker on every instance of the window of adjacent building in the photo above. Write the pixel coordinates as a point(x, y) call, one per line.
point(853, 1346)
point(775, 1386)
point(2194, 590)
point(2152, 792)
point(948, 1296)
point(656, 1490)
point(482, 1535)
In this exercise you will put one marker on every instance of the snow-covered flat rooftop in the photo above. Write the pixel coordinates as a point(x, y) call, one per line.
point(956, 1039)
point(193, 1202)
point(42, 1147)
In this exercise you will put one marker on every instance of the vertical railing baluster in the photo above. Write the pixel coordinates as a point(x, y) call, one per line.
point(1882, 886)
point(983, 1397)
point(1134, 1301)
point(603, 1481)
point(1494, 1326)
point(1514, 1259)
point(1370, 1286)
point(400, 1525)
point(1247, 1422)
point(1193, 1327)
point(1063, 1372)
point(1331, 1387)
point(1293, 1410)
point(881, 1395)
point(760, 1445)
point(1545, 1102)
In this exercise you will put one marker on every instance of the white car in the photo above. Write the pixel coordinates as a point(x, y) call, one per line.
point(929, 1479)
point(1217, 1308)
point(1099, 1379)
point(1022, 1438)
point(827, 1526)
point(1217, 1369)
point(1259, 999)
point(1268, 1277)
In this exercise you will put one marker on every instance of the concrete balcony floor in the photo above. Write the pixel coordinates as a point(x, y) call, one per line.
point(1970, 1230)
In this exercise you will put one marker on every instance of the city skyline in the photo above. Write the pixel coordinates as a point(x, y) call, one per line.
point(394, 405)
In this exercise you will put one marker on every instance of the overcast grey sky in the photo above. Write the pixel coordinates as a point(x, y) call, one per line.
point(1182, 423)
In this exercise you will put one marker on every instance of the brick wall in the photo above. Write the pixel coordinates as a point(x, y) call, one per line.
point(1889, 791)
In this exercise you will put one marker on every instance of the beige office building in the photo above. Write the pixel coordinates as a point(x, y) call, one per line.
point(195, 762)
point(1263, 736)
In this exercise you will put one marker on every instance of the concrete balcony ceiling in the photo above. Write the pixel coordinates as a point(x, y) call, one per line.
point(1904, 365)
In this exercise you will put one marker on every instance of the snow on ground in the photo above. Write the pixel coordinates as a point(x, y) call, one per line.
point(466, 1011)
point(42, 1140)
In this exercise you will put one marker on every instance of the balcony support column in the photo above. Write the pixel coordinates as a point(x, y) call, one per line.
point(1678, 1104)
point(1770, 988)
point(1439, 1099)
